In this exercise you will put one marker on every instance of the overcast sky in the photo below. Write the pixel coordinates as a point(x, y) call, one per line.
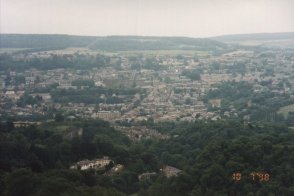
point(194, 18)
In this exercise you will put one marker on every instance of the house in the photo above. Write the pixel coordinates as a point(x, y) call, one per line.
point(45, 96)
point(215, 103)
point(97, 164)
point(170, 171)
point(10, 94)
point(30, 80)
point(107, 115)
point(146, 176)
point(2, 84)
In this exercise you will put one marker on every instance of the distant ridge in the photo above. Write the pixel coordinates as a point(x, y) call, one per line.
point(43, 41)
point(109, 43)
point(254, 36)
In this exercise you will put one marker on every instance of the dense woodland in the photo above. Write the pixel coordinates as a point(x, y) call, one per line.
point(77, 61)
point(35, 160)
point(93, 95)
point(70, 61)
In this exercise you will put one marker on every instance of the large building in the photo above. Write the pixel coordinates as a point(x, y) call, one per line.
point(107, 115)
point(97, 164)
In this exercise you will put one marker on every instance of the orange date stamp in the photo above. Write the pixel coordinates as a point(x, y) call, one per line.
point(255, 176)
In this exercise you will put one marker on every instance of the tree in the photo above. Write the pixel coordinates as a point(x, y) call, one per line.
point(59, 117)
point(22, 182)
point(193, 75)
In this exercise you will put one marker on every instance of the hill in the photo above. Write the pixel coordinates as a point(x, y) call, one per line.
point(281, 40)
point(38, 41)
point(254, 36)
point(122, 43)
point(109, 43)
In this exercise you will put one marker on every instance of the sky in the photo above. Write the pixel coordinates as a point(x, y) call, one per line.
point(192, 18)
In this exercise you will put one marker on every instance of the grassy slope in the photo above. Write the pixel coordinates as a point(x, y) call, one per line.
point(286, 109)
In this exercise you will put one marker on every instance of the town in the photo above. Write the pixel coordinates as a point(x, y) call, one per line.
point(142, 86)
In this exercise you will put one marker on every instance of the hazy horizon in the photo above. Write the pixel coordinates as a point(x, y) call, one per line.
point(196, 18)
point(130, 35)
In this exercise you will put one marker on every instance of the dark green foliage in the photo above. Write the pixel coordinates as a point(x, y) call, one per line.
point(35, 160)
point(61, 182)
point(264, 104)
point(210, 152)
point(27, 99)
point(192, 74)
point(78, 61)
point(150, 63)
point(89, 83)
point(232, 91)
point(59, 117)
point(25, 181)
point(92, 95)
point(41, 149)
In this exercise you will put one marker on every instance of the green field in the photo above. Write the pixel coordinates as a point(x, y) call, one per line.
point(60, 127)
point(166, 52)
point(11, 50)
point(282, 43)
point(127, 52)
point(286, 109)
